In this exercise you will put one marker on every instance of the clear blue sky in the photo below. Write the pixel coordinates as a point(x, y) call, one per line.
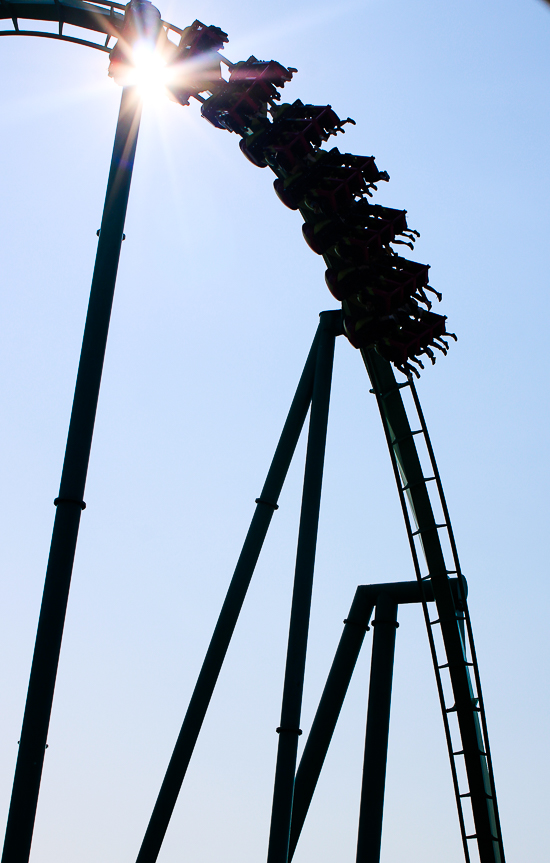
point(216, 305)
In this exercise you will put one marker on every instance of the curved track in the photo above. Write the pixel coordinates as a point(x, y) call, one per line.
point(432, 543)
point(99, 19)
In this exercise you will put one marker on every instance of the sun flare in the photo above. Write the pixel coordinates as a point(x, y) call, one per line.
point(149, 73)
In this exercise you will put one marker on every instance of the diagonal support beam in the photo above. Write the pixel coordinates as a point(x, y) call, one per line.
point(223, 632)
point(330, 705)
point(317, 744)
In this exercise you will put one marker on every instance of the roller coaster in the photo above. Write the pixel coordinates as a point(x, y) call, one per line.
point(387, 315)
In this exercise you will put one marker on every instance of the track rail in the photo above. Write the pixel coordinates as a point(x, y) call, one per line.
point(103, 19)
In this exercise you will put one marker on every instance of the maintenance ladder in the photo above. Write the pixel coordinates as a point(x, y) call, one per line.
point(450, 630)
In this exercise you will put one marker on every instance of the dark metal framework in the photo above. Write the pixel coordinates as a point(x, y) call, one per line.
point(386, 598)
point(452, 649)
point(104, 18)
point(70, 501)
point(450, 634)
point(432, 546)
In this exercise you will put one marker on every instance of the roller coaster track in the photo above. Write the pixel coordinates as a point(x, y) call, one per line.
point(97, 18)
point(432, 543)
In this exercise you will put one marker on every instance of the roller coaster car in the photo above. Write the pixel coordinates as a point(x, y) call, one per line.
point(326, 120)
point(388, 275)
point(342, 189)
point(234, 111)
point(365, 243)
point(299, 144)
point(362, 334)
point(363, 212)
point(195, 62)
point(330, 183)
point(246, 96)
point(142, 22)
point(365, 331)
point(436, 324)
point(383, 298)
point(198, 39)
point(321, 234)
point(265, 75)
point(297, 131)
point(415, 339)
point(357, 237)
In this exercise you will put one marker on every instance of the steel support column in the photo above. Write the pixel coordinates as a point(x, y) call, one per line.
point(70, 501)
point(413, 490)
point(223, 632)
point(378, 728)
point(289, 729)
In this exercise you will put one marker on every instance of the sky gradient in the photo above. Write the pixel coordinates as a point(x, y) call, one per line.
point(215, 308)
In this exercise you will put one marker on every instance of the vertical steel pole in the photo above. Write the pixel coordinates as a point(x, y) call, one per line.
point(229, 614)
point(70, 503)
point(289, 729)
point(378, 727)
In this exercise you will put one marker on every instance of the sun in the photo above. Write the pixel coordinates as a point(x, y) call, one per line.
point(149, 72)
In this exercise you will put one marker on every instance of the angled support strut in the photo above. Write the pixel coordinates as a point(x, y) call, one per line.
point(223, 632)
point(336, 687)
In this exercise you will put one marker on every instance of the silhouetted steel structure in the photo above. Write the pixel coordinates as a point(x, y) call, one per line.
point(70, 501)
point(382, 314)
